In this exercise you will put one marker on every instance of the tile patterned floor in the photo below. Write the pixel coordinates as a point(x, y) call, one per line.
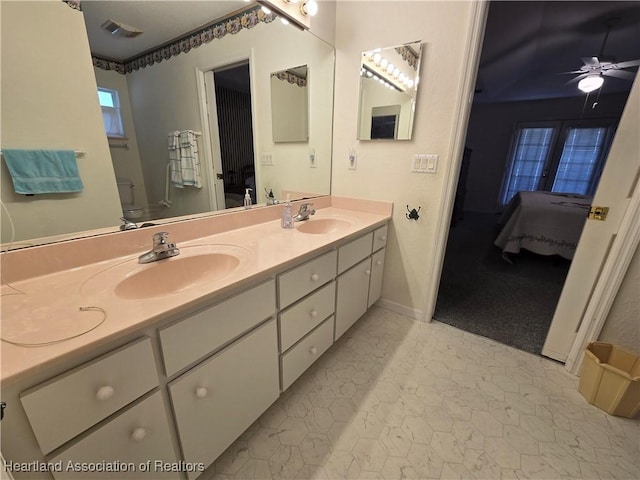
point(399, 399)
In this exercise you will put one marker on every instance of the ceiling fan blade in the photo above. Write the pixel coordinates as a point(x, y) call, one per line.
point(591, 62)
point(576, 79)
point(620, 74)
point(627, 64)
point(571, 72)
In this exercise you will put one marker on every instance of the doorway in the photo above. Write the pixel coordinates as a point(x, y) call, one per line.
point(491, 287)
point(233, 141)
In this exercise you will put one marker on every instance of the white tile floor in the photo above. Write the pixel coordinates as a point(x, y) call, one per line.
point(399, 399)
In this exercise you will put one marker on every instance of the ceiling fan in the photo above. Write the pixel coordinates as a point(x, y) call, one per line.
point(594, 70)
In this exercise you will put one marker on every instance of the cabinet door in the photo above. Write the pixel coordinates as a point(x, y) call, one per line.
point(352, 295)
point(127, 443)
point(377, 269)
point(217, 400)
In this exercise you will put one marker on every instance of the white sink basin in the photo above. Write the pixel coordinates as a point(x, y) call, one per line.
point(323, 225)
point(195, 267)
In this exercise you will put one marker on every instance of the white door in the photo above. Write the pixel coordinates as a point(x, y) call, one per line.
point(212, 113)
point(618, 184)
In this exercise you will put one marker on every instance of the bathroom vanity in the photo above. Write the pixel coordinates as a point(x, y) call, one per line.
point(169, 380)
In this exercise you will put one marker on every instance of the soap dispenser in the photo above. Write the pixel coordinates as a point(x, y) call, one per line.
point(247, 198)
point(287, 215)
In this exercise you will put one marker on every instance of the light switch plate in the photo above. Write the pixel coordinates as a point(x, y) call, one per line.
point(353, 159)
point(423, 163)
point(267, 159)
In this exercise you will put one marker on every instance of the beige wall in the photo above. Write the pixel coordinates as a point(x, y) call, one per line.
point(383, 167)
point(50, 101)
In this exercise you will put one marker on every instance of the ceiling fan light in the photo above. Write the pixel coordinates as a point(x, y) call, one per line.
point(590, 83)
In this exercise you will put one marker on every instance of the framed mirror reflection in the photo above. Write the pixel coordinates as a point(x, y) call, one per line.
point(161, 88)
point(290, 105)
point(389, 79)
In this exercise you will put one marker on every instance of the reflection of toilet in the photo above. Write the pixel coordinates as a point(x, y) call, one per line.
point(129, 210)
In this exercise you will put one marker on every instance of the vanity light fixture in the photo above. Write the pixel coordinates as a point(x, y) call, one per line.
point(591, 83)
point(118, 29)
point(297, 12)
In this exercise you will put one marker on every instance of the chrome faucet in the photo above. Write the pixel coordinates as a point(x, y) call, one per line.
point(161, 249)
point(304, 213)
point(127, 225)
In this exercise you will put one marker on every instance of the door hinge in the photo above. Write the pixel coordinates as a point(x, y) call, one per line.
point(598, 213)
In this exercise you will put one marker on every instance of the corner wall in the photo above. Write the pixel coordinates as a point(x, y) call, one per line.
point(383, 167)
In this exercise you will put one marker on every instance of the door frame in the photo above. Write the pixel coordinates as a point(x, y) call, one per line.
point(622, 249)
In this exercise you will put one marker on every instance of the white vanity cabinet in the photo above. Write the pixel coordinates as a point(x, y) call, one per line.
point(306, 326)
point(359, 286)
point(220, 398)
point(70, 403)
point(136, 444)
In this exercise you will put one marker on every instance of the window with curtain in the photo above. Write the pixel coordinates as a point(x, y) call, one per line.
point(556, 157)
point(110, 104)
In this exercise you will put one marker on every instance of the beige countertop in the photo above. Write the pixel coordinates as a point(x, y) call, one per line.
point(45, 306)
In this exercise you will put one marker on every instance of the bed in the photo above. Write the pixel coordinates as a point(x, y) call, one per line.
point(543, 222)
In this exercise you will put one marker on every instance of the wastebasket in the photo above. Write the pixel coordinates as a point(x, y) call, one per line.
point(610, 379)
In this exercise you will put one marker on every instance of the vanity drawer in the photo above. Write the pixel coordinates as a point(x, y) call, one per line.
point(380, 238)
point(194, 337)
point(72, 402)
point(305, 315)
point(353, 252)
point(306, 352)
point(139, 435)
point(299, 281)
point(219, 399)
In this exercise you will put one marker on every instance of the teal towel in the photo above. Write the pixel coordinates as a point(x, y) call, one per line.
point(43, 171)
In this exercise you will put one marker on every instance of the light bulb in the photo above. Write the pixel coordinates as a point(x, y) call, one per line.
point(590, 83)
point(369, 74)
point(410, 84)
point(396, 72)
point(309, 8)
point(266, 10)
point(284, 21)
point(390, 68)
point(384, 62)
point(376, 58)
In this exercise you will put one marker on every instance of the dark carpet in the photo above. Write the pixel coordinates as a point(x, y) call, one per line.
point(483, 294)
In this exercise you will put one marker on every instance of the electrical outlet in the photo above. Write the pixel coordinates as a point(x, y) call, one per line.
point(353, 159)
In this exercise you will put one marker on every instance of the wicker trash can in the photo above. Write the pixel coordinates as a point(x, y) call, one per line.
point(610, 379)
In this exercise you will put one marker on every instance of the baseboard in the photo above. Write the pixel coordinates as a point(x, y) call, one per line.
point(401, 309)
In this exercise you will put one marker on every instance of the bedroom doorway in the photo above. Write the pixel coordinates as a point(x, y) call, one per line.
point(472, 228)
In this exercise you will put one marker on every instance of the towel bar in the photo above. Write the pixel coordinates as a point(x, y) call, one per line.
point(78, 153)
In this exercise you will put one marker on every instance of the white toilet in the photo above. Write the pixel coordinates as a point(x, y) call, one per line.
point(127, 199)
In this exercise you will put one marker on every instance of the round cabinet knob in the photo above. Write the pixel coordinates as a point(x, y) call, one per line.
point(378, 262)
point(313, 351)
point(313, 313)
point(138, 434)
point(367, 272)
point(315, 277)
point(383, 238)
point(105, 393)
point(201, 392)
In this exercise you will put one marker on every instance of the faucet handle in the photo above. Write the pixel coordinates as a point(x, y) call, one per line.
point(160, 238)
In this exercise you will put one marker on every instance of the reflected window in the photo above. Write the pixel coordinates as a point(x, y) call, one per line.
point(111, 115)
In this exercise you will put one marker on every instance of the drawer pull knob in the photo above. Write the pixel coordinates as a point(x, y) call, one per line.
point(367, 272)
point(315, 277)
point(138, 434)
point(313, 351)
point(383, 238)
point(313, 313)
point(105, 393)
point(201, 392)
point(378, 262)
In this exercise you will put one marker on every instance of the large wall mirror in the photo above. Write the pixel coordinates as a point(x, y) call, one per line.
point(290, 105)
point(389, 79)
point(194, 83)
